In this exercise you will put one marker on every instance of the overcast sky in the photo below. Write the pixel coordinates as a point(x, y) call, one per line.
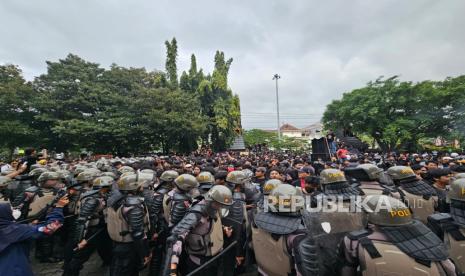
point(320, 48)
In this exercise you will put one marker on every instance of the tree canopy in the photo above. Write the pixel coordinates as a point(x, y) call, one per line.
point(254, 137)
point(78, 105)
point(398, 114)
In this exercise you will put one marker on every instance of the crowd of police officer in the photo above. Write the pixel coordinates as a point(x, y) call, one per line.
point(217, 218)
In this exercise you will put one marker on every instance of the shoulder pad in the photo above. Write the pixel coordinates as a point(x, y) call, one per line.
point(134, 200)
point(162, 190)
point(440, 218)
point(33, 189)
point(356, 235)
point(180, 197)
point(197, 208)
point(89, 193)
point(276, 224)
point(115, 199)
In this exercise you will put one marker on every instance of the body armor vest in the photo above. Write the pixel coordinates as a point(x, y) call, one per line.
point(118, 227)
point(237, 213)
point(167, 207)
point(456, 250)
point(453, 236)
point(421, 206)
point(96, 217)
point(73, 204)
point(39, 202)
point(370, 189)
point(208, 243)
point(271, 255)
point(393, 262)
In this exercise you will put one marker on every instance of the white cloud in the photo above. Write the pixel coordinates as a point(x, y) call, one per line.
point(321, 49)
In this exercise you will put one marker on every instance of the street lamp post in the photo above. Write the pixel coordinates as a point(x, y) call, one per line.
point(276, 77)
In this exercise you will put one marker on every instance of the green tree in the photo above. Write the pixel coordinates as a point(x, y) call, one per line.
point(258, 136)
point(78, 104)
point(171, 62)
point(69, 99)
point(16, 118)
point(396, 114)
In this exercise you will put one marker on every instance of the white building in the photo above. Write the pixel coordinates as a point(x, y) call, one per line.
point(310, 132)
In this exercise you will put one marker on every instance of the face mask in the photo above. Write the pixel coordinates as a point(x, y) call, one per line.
point(16, 214)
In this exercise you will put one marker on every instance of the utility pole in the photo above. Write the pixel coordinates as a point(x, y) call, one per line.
point(276, 77)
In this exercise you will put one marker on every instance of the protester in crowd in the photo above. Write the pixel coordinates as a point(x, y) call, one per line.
point(431, 165)
point(419, 170)
point(260, 177)
point(303, 173)
point(342, 153)
point(312, 185)
point(220, 177)
point(15, 238)
point(331, 138)
point(196, 171)
point(275, 173)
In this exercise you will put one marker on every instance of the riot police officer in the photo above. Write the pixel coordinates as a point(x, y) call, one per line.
point(368, 175)
point(86, 178)
point(279, 236)
point(74, 191)
point(267, 188)
point(393, 243)
point(35, 173)
point(177, 201)
point(126, 169)
point(417, 195)
point(34, 199)
point(336, 214)
point(127, 225)
point(451, 227)
point(199, 233)
point(147, 180)
point(206, 181)
point(236, 220)
point(158, 224)
point(91, 223)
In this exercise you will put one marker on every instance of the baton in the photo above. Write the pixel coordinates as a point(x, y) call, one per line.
point(212, 259)
point(90, 238)
point(31, 219)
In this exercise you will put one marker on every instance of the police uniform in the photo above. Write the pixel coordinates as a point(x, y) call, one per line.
point(90, 222)
point(367, 176)
point(328, 228)
point(237, 219)
point(158, 223)
point(393, 243)
point(451, 227)
point(199, 234)
point(206, 181)
point(419, 196)
point(177, 201)
point(127, 224)
point(280, 239)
